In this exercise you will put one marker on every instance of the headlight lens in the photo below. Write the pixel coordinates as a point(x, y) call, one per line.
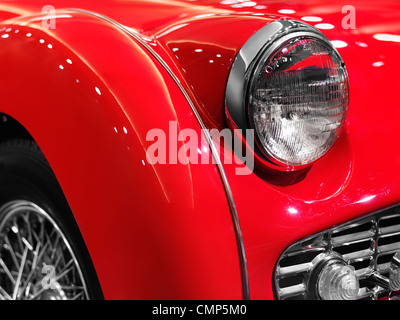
point(298, 101)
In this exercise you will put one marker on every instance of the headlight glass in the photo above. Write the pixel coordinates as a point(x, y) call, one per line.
point(298, 101)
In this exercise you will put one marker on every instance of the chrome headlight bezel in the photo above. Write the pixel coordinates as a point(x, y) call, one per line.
point(247, 65)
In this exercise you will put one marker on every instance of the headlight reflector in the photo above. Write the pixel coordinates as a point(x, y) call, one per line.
point(298, 101)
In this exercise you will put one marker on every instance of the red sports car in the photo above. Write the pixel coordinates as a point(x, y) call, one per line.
point(216, 149)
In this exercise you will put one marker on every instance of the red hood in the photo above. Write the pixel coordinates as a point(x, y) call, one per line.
point(220, 28)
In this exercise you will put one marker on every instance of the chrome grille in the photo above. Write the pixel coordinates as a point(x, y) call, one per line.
point(368, 244)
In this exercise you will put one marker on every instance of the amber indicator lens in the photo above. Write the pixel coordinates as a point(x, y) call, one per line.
point(298, 101)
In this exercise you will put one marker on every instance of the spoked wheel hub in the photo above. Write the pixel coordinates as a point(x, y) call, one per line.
point(36, 260)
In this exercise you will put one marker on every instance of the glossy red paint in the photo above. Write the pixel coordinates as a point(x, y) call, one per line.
point(191, 232)
point(152, 231)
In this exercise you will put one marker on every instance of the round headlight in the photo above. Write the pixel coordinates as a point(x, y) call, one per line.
point(292, 90)
point(298, 100)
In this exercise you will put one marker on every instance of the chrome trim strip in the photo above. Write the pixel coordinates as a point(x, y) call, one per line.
point(228, 191)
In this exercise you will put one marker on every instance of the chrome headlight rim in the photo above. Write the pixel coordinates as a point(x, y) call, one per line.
point(247, 64)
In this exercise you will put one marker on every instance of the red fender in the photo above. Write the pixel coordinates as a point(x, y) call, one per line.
point(153, 231)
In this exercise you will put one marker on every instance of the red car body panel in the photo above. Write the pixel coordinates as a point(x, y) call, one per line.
point(94, 137)
point(165, 231)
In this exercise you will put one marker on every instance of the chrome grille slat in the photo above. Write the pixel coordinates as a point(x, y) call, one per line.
point(292, 290)
point(393, 229)
point(367, 243)
point(388, 217)
point(357, 236)
point(362, 273)
point(384, 267)
point(350, 242)
point(349, 226)
point(388, 234)
point(389, 247)
point(363, 293)
point(296, 269)
point(358, 254)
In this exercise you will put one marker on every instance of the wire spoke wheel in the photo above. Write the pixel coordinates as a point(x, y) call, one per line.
point(36, 259)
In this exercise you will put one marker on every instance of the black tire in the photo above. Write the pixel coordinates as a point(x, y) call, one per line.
point(26, 175)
